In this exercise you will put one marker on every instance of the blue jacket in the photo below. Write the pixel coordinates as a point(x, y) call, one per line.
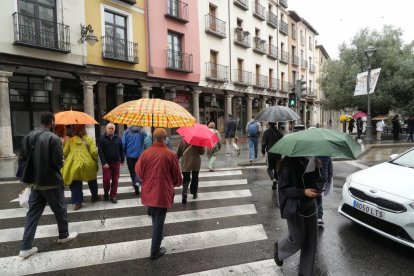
point(133, 141)
point(148, 142)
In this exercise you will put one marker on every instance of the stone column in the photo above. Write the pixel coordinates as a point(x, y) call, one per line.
point(102, 103)
point(262, 103)
point(249, 100)
point(145, 89)
point(227, 106)
point(287, 123)
point(88, 105)
point(54, 96)
point(6, 138)
point(196, 104)
point(119, 100)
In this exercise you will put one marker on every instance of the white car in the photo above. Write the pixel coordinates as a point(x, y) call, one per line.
point(381, 198)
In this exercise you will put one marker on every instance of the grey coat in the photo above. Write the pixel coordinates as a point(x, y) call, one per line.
point(190, 159)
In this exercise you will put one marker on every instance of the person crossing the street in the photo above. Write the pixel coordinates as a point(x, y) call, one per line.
point(270, 137)
point(253, 129)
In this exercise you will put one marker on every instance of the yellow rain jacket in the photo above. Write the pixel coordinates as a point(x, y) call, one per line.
point(81, 160)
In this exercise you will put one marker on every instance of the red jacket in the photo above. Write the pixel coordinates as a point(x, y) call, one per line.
point(160, 172)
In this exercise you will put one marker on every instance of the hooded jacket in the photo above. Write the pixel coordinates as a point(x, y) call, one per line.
point(133, 141)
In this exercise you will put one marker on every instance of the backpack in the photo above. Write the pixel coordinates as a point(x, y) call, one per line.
point(253, 129)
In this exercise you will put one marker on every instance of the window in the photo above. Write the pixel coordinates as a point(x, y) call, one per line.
point(115, 40)
point(310, 43)
point(174, 50)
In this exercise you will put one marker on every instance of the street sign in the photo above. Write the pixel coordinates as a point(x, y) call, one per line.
point(361, 82)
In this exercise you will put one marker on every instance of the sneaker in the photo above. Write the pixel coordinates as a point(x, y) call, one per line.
point(27, 253)
point(70, 237)
point(276, 257)
point(211, 170)
point(114, 200)
point(320, 222)
point(238, 152)
point(106, 197)
point(160, 253)
point(251, 162)
point(137, 192)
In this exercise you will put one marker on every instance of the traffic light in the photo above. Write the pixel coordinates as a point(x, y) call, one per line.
point(292, 100)
point(300, 87)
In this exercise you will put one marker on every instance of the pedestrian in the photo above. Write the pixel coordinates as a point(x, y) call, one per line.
point(189, 156)
point(159, 170)
point(270, 137)
point(330, 123)
point(380, 129)
point(359, 124)
point(133, 145)
point(326, 174)
point(253, 129)
point(396, 128)
point(351, 125)
point(297, 186)
point(410, 129)
point(81, 164)
point(213, 152)
point(60, 130)
point(148, 141)
point(112, 158)
point(45, 181)
point(229, 134)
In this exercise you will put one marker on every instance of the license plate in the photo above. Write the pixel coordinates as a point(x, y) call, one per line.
point(369, 209)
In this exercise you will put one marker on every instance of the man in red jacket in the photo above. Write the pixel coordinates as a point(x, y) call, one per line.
point(159, 171)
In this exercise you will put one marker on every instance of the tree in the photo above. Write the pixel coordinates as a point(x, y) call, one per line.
point(395, 86)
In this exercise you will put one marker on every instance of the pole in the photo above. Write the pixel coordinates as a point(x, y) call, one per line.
point(369, 127)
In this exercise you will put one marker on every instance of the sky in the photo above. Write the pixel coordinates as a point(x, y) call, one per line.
point(338, 21)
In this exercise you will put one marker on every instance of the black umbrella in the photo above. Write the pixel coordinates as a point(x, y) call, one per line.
point(277, 113)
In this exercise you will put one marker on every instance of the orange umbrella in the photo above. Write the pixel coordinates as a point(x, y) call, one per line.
point(151, 112)
point(72, 117)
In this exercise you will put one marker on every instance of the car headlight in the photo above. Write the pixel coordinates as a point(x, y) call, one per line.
point(412, 205)
point(348, 182)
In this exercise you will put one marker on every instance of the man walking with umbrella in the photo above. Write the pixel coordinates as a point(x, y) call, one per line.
point(270, 137)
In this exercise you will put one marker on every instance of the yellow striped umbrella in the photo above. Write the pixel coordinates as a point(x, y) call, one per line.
point(151, 112)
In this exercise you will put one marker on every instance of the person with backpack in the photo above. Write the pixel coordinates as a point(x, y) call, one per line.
point(270, 137)
point(253, 129)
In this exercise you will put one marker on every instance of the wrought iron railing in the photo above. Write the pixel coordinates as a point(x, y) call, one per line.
point(242, 77)
point(119, 49)
point(259, 11)
point(283, 27)
point(283, 3)
point(285, 87)
point(215, 26)
point(272, 51)
point(304, 63)
point(259, 45)
point(284, 56)
point(274, 84)
point(260, 81)
point(312, 68)
point(216, 72)
point(179, 61)
point(241, 37)
point(295, 60)
point(177, 9)
point(294, 33)
point(37, 32)
point(271, 19)
point(242, 4)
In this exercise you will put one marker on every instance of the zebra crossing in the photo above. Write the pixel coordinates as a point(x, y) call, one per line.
point(114, 236)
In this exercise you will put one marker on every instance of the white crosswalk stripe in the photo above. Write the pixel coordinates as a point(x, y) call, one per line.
point(223, 197)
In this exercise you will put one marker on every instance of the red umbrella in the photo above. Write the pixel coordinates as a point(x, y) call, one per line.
point(198, 135)
point(359, 114)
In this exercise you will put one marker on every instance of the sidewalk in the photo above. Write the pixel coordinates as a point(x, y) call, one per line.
point(8, 166)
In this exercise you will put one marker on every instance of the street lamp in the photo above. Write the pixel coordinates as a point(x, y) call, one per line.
point(369, 52)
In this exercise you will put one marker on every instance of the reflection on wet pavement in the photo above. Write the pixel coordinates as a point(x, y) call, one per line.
point(378, 154)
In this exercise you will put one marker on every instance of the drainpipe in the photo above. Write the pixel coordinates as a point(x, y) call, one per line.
point(229, 21)
point(148, 37)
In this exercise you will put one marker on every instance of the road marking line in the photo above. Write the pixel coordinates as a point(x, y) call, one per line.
point(129, 189)
point(260, 268)
point(128, 203)
point(356, 164)
point(110, 224)
point(124, 251)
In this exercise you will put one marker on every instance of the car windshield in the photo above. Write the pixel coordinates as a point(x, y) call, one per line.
point(406, 160)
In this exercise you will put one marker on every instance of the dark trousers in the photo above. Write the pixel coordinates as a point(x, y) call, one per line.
point(158, 219)
point(37, 202)
point(272, 162)
point(111, 173)
point(77, 192)
point(302, 236)
point(131, 168)
point(193, 179)
point(320, 207)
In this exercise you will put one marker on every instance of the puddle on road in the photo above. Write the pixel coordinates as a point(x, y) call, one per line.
point(377, 154)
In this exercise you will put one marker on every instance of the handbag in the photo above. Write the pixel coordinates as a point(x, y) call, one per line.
point(319, 182)
point(24, 198)
point(290, 208)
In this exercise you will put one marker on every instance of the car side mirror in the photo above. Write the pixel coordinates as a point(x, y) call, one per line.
point(393, 156)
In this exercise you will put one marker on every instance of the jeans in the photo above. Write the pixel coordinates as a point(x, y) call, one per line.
point(131, 168)
point(38, 199)
point(253, 147)
point(77, 192)
point(158, 219)
point(193, 179)
point(212, 162)
point(111, 173)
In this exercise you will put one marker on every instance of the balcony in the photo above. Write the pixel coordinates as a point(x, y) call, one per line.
point(285, 87)
point(283, 3)
point(215, 26)
point(259, 11)
point(242, 77)
point(283, 27)
point(312, 68)
point(177, 10)
point(272, 19)
point(284, 57)
point(216, 72)
point(119, 49)
point(38, 33)
point(311, 93)
point(272, 53)
point(243, 4)
point(304, 63)
point(273, 84)
point(260, 81)
point(179, 61)
point(294, 34)
point(295, 60)
point(259, 46)
point(241, 38)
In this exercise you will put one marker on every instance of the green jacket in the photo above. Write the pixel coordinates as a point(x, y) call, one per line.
point(81, 160)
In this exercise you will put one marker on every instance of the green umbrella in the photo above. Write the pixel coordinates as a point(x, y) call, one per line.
point(317, 142)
